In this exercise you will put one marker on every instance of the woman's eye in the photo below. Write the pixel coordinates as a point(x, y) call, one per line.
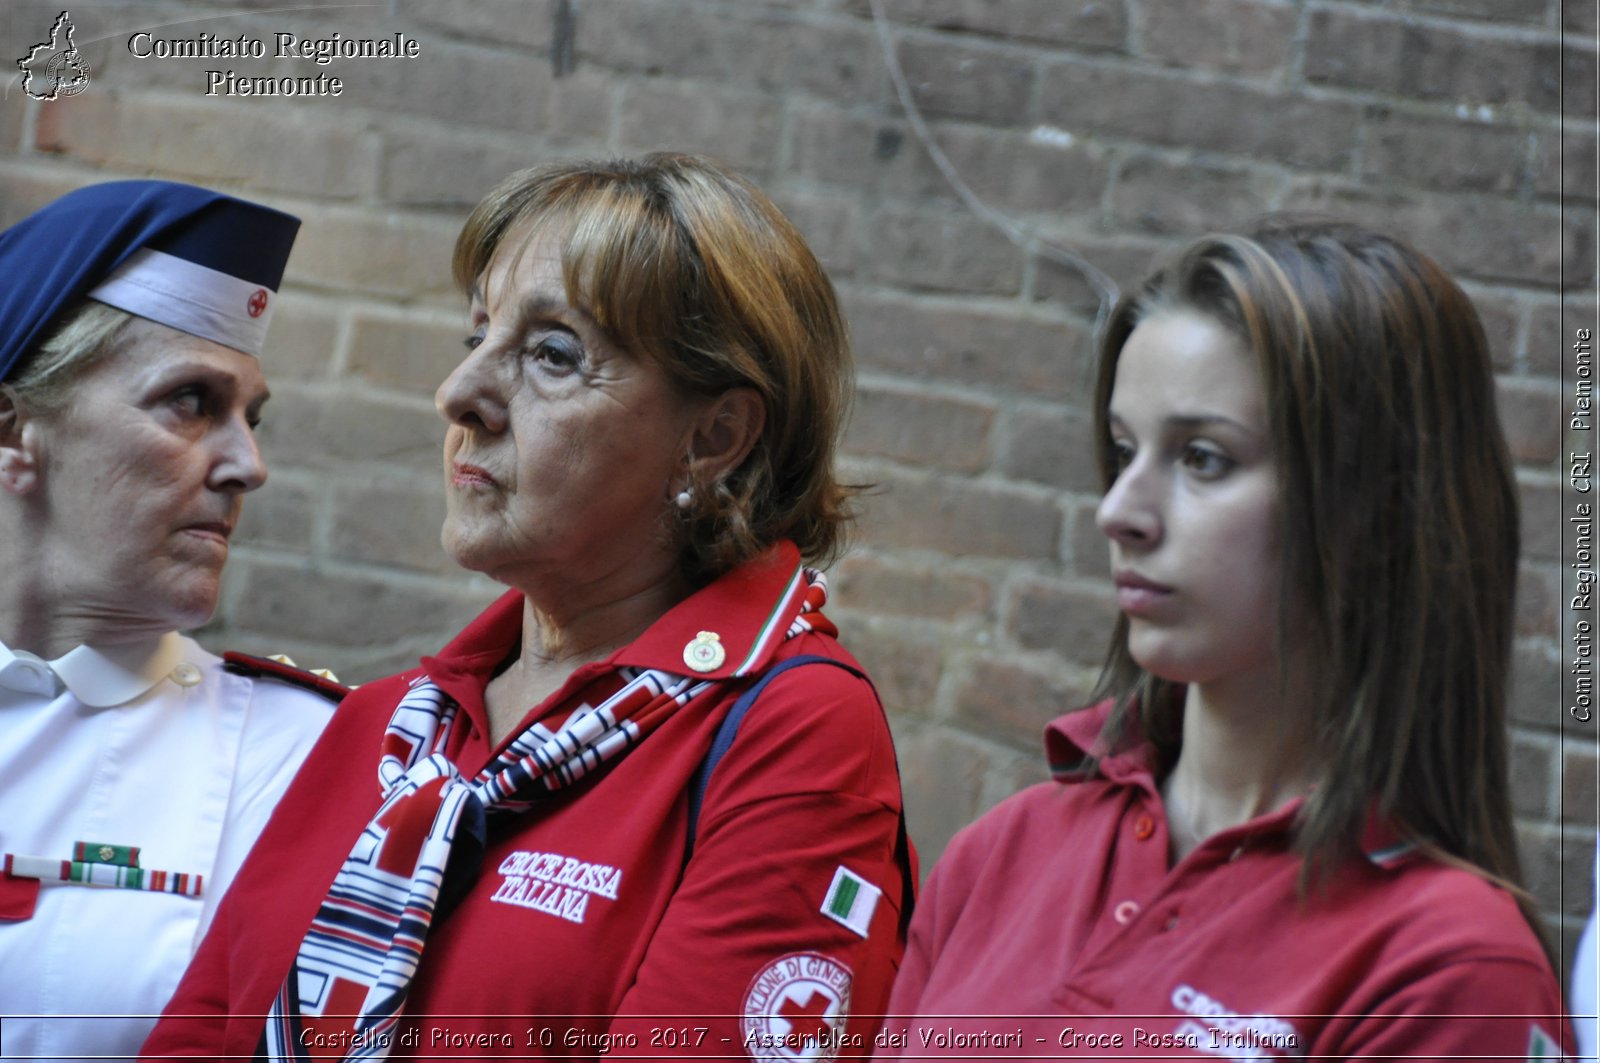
point(472, 342)
point(560, 353)
point(1121, 454)
point(189, 400)
point(1206, 461)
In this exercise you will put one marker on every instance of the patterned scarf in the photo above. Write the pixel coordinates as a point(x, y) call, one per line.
point(346, 991)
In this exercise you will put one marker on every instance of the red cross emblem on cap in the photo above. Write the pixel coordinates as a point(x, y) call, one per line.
point(258, 302)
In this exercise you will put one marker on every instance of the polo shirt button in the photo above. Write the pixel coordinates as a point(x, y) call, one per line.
point(1124, 913)
point(1144, 827)
point(186, 674)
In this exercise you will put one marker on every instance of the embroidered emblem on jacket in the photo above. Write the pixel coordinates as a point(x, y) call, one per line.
point(795, 1009)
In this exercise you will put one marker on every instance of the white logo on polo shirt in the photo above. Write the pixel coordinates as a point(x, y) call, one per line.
point(1218, 1030)
point(555, 884)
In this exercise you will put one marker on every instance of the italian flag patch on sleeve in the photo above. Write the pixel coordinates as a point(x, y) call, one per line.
point(851, 900)
point(1541, 1045)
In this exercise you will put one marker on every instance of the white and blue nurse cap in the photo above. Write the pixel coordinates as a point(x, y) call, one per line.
point(196, 260)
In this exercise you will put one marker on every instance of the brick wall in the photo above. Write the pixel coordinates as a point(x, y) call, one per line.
point(976, 591)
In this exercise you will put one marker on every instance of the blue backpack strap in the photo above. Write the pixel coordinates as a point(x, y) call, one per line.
point(723, 741)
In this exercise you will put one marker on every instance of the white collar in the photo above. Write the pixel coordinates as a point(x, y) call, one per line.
point(100, 677)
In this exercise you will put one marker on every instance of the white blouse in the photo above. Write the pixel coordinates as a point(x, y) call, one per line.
point(155, 747)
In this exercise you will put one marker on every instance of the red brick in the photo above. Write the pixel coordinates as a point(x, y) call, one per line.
point(1024, 172)
point(941, 776)
point(1243, 37)
point(1087, 24)
point(737, 126)
point(1050, 445)
point(950, 80)
point(1535, 695)
point(383, 254)
point(1580, 795)
point(327, 428)
point(1454, 156)
point(282, 515)
point(948, 342)
point(942, 251)
point(829, 224)
point(1489, 239)
point(391, 521)
point(301, 345)
point(1559, 867)
point(211, 143)
point(1070, 619)
point(862, 152)
point(1578, 75)
point(351, 609)
point(1531, 12)
point(1007, 169)
point(1399, 56)
point(1010, 702)
point(1156, 196)
point(1541, 520)
point(526, 23)
point(1564, 165)
point(1179, 111)
point(491, 88)
point(920, 429)
point(1530, 415)
point(412, 353)
point(1539, 601)
point(1553, 329)
point(22, 193)
point(1501, 317)
point(1125, 261)
point(771, 50)
point(881, 586)
point(429, 168)
point(1532, 765)
point(961, 517)
point(905, 662)
point(1090, 553)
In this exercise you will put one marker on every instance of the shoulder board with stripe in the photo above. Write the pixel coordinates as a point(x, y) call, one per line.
point(320, 682)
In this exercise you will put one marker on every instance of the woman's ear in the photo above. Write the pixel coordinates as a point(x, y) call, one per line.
point(725, 431)
point(19, 438)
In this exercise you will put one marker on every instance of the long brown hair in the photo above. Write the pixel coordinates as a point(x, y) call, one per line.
point(682, 260)
point(1399, 527)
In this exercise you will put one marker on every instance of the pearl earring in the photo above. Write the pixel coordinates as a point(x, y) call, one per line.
point(685, 499)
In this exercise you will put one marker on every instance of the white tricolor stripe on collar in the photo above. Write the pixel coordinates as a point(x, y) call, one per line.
point(192, 298)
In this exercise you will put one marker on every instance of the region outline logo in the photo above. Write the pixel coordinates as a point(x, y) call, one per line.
point(55, 68)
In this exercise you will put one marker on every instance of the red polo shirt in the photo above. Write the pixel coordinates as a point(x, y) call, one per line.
point(1057, 926)
point(585, 933)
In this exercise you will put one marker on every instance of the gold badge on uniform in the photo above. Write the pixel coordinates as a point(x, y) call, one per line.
point(704, 653)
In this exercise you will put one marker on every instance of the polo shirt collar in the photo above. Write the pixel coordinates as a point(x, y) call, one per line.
point(746, 614)
point(98, 676)
point(730, 628)
point(1073, 740)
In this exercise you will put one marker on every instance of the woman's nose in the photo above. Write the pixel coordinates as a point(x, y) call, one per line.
point(239, 465)
point(471, 396)
point(1128, 513)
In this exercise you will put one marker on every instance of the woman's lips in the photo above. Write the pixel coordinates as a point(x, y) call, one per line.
point(464, 475)
point(210, 531)
point(1137, 596)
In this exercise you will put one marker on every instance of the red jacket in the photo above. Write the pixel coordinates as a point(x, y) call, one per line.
point(732, 951)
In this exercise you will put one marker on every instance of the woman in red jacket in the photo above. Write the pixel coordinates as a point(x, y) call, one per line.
point(506, 851)
point(1285, 831)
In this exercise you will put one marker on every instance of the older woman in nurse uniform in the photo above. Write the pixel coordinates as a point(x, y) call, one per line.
point(137, 769)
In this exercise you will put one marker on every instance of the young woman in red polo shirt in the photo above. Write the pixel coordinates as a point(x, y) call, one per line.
point(1284, 831)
